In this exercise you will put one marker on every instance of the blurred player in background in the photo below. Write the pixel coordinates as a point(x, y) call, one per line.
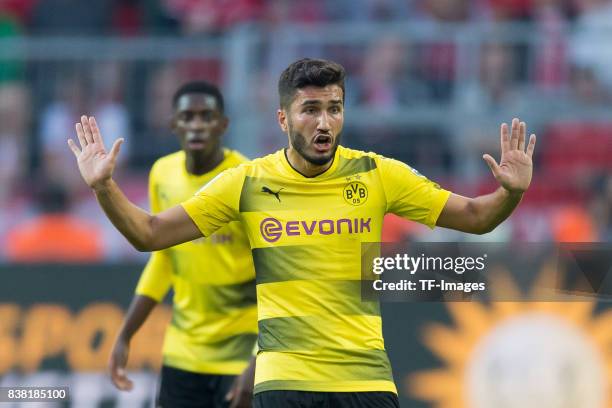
point(306, 210)
point(214, 323)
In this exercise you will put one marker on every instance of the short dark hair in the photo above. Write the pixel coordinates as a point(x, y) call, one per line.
point(199, 87)
point(308, 71)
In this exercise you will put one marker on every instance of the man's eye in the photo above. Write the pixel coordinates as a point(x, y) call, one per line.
point(310, 111)
point(335, 109)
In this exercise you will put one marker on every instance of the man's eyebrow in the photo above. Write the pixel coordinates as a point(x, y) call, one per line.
point(318, 102)
point(311, 102)
point(196, 110)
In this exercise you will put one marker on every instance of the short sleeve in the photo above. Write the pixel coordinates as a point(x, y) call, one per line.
point(156, 278)
point(154, 205)
point(217, 203)
point(409, 194)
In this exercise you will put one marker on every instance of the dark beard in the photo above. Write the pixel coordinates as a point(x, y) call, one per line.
point(298, 141)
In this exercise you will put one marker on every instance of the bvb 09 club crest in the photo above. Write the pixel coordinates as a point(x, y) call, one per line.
point(355, 193)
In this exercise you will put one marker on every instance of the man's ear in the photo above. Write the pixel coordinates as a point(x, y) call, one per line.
point(282, 120)
point(225, 123)
point(173, 123)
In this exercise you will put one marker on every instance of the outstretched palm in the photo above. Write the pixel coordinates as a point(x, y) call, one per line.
point(515, 166)
point(95, 163)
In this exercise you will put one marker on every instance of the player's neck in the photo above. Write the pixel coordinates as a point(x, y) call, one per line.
point(303, 166)
point(199, 164)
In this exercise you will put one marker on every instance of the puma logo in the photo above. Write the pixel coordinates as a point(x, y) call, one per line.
point(265, 189)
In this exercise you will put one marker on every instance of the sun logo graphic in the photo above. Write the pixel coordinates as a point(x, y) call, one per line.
point(519, 354)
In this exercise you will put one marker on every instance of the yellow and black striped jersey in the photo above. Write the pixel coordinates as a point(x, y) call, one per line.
point(315, 332)
point(214, 319)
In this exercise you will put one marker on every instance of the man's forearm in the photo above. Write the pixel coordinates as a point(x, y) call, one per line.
point(133, 222)
point(137, 314)
point(490, 210)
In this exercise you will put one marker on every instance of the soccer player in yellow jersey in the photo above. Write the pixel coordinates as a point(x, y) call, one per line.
point(306, 209)
point(212, 335)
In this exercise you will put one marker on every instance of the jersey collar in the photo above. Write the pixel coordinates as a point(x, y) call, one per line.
point(217, 169)
point(296, 174)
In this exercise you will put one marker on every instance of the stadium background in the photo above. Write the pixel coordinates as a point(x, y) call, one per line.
point(429, 83)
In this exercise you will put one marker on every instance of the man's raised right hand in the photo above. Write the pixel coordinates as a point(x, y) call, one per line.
point(95, 163)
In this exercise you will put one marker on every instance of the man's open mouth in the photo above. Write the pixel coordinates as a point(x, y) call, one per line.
point(322, 143)
point(196, 143)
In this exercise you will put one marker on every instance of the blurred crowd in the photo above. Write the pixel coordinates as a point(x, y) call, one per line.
point(187, 17)
point(556, 73)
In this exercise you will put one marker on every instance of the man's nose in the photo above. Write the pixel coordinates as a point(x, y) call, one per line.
point(197, 123)
point(323, 124)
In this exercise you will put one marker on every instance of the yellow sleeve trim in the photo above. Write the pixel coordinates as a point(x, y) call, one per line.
point(192, 211)
point(437, 206)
